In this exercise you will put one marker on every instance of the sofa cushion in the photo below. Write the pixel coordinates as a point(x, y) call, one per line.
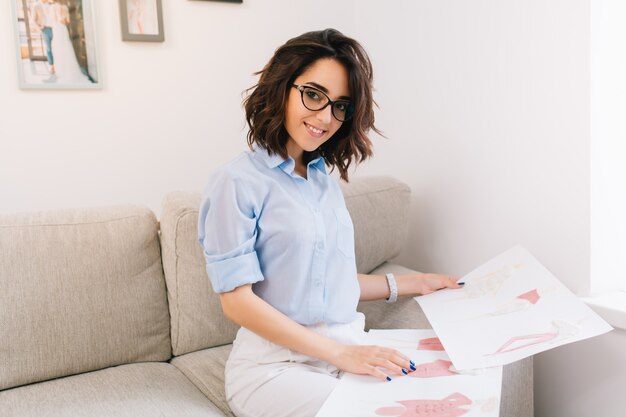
point(196, 313)
point(135, 390)
point(80, 290)
point(379, 207)
point(205, 369)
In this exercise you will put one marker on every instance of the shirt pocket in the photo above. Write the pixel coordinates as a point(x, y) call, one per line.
point(345, 233)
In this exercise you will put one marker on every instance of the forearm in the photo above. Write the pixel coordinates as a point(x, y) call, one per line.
point(375, 287)
point(248, 310)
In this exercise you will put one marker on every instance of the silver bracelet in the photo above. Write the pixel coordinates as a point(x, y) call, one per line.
point(393, 288)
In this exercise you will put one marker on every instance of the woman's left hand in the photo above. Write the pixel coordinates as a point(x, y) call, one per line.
point(429, 283)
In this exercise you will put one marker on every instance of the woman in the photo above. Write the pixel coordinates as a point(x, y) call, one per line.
point(278, 240)
point(66, 65)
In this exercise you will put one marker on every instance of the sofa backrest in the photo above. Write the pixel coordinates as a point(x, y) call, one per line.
point(80, 290)
point(379, 208)
point(195, 310)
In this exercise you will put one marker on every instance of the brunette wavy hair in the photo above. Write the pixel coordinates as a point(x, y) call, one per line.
point(265, 102)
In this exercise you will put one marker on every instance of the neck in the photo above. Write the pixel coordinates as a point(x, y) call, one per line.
point(296, 153)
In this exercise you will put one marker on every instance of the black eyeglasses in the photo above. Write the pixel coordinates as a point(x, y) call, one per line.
point(315, 100)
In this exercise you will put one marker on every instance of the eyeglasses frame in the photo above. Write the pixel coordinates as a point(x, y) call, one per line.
point(349, 111)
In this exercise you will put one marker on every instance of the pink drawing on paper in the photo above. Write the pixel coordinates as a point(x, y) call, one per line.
point(520, 303)
point(434, 369)
point(531, 296)
point(432, 343)
point(488, 284)
point(453, 405)
point(561, 330)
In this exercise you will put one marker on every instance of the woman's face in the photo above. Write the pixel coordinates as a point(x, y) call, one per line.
point(309, 129)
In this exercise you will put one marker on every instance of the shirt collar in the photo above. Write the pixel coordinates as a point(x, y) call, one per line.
point(287, 165)
point(320, 164)
point(272, 161)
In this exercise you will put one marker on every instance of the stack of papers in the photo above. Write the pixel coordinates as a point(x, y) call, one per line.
point(436, 388)
point(510, 308)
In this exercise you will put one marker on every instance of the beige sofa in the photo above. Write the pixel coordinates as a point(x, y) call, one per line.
point(106, 312)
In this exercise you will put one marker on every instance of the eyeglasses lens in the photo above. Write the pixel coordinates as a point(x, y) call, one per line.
point(315, 100)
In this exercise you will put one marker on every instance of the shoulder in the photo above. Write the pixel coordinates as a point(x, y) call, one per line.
point(243, 174)
point(240, 168)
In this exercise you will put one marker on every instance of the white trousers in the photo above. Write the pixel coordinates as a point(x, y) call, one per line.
point(267, 380)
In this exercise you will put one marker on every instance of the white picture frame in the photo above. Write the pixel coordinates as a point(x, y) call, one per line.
point(56, 45)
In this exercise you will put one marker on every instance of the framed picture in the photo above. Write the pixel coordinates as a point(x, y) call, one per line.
point(230, 1)
point(142, 20)
point(56, 44)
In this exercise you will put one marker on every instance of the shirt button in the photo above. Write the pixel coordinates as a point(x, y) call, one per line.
point(320, 245)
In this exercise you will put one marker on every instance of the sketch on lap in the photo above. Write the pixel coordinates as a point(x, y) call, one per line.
point(432, 343)
point(434, 389)
point(438, 368)
point(453, 405)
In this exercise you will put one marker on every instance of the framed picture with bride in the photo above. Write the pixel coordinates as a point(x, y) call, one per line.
point(56, 44)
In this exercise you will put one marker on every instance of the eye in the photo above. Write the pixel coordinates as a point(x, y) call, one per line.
point(342, 106)
point(312, 94)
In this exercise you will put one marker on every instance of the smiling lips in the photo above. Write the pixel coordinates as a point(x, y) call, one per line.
point(313, 131)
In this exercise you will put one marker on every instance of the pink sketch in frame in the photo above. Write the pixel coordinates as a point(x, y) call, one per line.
point(453, 405)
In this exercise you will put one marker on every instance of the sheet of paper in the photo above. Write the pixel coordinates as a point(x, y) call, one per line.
point(435, 389)
point(510, 308)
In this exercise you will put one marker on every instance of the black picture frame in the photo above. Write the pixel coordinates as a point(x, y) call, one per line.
point(227, 1)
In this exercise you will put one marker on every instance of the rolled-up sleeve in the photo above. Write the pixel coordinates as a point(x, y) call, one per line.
point(227, 231)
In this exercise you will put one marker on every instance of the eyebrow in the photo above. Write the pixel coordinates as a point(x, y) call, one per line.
point(325, 90)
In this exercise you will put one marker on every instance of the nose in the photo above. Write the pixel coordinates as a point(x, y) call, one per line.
point(325, 115)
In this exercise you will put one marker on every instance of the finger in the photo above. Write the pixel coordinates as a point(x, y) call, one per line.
point(459, 284)
point(378, 373)
point(391, 367)
point(395, 356)
point(396, 362)
point(453, 282)
point(406, 365)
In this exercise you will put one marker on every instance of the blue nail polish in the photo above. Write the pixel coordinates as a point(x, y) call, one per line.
point(404, 371)
point(413, 368)
point(461, 283)
point(412, 363)
point(388, 379)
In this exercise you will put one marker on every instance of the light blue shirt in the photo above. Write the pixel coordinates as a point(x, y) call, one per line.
point(260, 223)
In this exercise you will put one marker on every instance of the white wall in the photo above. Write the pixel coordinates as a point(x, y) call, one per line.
point(608, 147)
point(587, 378)
point(168, 114)
point(486, 106)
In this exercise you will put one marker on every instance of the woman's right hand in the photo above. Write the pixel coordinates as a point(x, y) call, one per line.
point(377, 361)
